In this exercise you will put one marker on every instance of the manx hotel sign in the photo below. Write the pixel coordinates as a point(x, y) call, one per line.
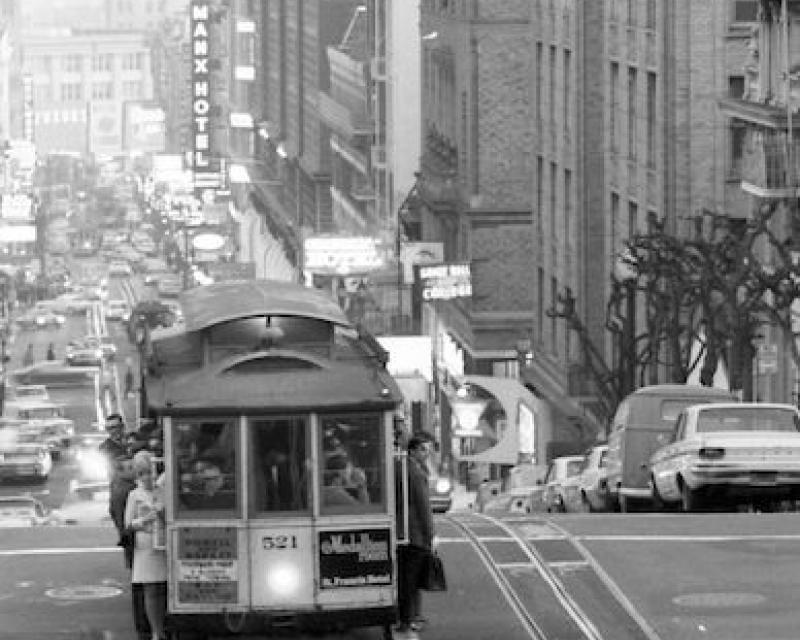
point(206, 173)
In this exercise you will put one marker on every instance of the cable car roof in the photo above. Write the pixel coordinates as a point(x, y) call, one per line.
point(238, 386)
point(223, 301)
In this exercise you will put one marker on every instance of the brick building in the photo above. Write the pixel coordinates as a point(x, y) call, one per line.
point(552, 132)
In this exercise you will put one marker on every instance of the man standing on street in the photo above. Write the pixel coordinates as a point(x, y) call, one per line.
point(120, 469)
point(412, 558)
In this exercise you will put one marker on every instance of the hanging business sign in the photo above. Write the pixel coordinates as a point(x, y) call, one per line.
point(342, 255)
point(445, 281)
point(205, 175)
point(28, 108)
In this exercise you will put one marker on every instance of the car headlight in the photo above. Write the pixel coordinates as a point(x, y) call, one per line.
point(98, 353)
point(443, 485)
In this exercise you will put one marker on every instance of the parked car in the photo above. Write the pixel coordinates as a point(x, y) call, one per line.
point(557, 473)
point(441, 492)
point(639, 425)
point(588, 490)
point(55, 374)
point(22, 511)
point(47, 418)
point(169, 285)
point(40, 318)
point(515, 501)
point(27, 392)
point(729, 453)
point(118, 310)
point(89, 351)
point(119, 268)
point(25, 460)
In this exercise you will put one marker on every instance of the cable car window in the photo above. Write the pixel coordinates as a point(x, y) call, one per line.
point(266, 332)
point(207, 468)
point(352, 462)
point(280, 467)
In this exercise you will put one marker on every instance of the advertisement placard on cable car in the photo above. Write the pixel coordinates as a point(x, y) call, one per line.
point(207, 564)
point(359, 558)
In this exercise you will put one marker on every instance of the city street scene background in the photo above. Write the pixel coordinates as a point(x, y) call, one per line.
point(567, 231)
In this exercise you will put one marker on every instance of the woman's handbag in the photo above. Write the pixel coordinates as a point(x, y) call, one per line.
point(433, 578)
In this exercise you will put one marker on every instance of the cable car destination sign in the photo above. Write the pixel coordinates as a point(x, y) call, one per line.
point(445, 281)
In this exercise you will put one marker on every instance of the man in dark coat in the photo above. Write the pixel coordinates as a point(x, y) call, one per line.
point(412, 558)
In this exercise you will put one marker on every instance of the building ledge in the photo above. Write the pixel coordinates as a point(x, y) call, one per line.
point(766, 115)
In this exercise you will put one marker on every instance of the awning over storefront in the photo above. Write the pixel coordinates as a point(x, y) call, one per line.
point(510, 394)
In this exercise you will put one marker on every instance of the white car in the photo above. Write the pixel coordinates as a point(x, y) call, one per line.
point(588, 491)
point(736, 452)
point(118, 310)
point(119, 268)
point(22, 511)
point(557, 473)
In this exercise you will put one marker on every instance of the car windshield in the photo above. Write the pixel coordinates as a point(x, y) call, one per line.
point(747, 419)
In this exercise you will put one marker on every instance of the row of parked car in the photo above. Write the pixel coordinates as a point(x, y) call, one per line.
point(670, 446)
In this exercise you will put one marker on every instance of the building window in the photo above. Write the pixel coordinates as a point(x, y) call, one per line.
point(553, 54)
point(745, 11)
point(633, 219)
point(568, 206)
point(614, 224)
point(102, 62)
point(72, 63)
point(613, 10)
point(632, 113)
point(553, 199)
point(538, 87)
point(71, 91)
point(553, 319)
point(539, 192)
point(651, 120)
point(735, 86)
point(614, 89)
point(567, 91)
point(132, 89)
point(631, 13)
point(737, 137)
point(650, 16)
point(103, 91)
point(540, 306)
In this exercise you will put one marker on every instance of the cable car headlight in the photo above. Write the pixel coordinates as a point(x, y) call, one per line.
point(443, 485)
point(283, 579)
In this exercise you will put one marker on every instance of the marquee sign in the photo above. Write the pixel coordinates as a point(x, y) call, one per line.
point(205, 177)
point(445, 281)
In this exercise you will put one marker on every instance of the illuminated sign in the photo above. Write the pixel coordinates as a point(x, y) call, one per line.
point(445, 281)
point(355, 558)
point(343, 256)
point(208, 241)
point(204, 175)
point(527, 431)
point(27, 108)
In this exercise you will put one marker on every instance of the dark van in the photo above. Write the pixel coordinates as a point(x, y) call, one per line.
point(642, 424)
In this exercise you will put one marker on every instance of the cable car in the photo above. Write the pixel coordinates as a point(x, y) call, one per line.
point(279, 463)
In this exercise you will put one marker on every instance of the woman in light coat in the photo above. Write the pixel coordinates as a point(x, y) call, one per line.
point(142, 511)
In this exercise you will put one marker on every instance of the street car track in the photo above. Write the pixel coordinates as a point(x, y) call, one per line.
point(612, 586)
point(502, 571)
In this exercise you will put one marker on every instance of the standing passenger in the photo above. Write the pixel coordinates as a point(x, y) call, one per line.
point(149, 564)
point(412, 558)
